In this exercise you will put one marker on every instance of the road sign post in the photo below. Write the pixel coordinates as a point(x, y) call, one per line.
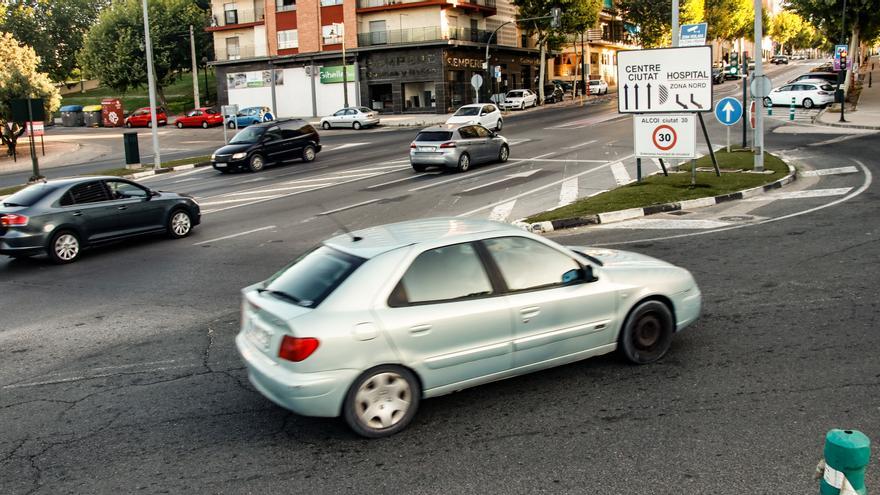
point(728, 111)
point(476, 82)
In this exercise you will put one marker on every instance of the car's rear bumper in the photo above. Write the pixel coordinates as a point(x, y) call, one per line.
point(22, 243)
point(308, 394)
point(445, 159)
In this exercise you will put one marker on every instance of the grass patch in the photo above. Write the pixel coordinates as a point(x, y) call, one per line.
point(179, 95)
point(658, 189)
point(6, 191)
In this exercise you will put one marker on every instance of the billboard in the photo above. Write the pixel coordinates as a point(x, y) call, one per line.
point(253, 79)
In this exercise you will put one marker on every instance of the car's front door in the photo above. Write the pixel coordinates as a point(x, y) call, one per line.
point(136, 210)
point(487, 116)
point(447, 320)
point(338, 119)
point(556, 311)
point(88, 205)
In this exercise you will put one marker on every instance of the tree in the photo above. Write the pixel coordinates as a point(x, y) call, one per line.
point(728, 19)
point(784, 27)
point(114, 49)
point(577, 16)
point(19, 78)
point(655, 18)
point(53, 28)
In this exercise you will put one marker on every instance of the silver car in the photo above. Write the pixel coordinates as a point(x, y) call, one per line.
point(457, 146)
point(352, 118)
point(369, 323)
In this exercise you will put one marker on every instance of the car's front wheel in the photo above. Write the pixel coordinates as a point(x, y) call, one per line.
point(179, 125)
point(231, 125)
point(309, 153)
point(128, 125)
point(179, 224)
point(503, 153)
point(768, 102)
point(257, 163)
point(64, 247)
point(808, 103)
point(647, 333)
point(382, 401)
point(499, 125)
point(326, 126)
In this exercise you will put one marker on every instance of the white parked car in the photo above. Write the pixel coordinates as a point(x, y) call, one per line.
point(520, 98)
point(598, 87)
point(806, 93)
point(351, 117)
point(485, 114)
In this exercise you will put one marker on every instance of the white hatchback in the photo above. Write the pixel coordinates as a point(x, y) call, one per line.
point(598, 87)
point(485, 114)
point(806, 93)
point(520, 98)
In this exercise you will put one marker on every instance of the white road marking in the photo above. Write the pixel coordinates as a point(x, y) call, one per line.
point(806, 193)
point(569, 192)
point(581, 123)
point(227, 201)
point(235, 235)
point(411, 177)
point(621, 176)
point(555, 160)
point(580, 145)
point(468, 176)
point(362, 203)
point(520, 175)
point(185, 180)
point(828, 171)
point(92, 377)
point(502, 211)
point(276, 189)
point(514, 142)
point(665, 224)
point(346, 145)
point(193, 171)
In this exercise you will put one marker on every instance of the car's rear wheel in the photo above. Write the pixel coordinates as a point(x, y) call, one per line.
point(419, 168)
point(382, 401)
point(499, 125)
point(179, 224)
point(503, 153)
point(356, 126)
point(326, 126)
point(647, 333)
point(309, 153)
point(179, 125)
point(464, 162)
point(128, 124)
point(257, 163)
point(64, 247)
point(205, 124)
point(808, 103)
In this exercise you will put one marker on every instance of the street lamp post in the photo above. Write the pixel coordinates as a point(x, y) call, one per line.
point(151, 83)
point(207, 93)
point(195, 67)
point(339, 31)
point(839, 79)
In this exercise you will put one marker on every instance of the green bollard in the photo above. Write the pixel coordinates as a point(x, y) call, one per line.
point(847, 453)
point(770, 110)
point(791, 110)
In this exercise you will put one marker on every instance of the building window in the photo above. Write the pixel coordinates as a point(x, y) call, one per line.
point(288, 39)
point(331, 36)
point(232, 49)
point(285, 5)
point(328, 3)
point(230, 13)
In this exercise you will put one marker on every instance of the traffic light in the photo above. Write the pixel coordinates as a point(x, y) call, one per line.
point(555, 14)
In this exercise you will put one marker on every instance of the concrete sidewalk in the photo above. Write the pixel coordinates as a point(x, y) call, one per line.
point(867, 111)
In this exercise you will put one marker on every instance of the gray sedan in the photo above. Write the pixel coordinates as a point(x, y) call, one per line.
point(457, 146)
point(371, 322)
point(62, 217)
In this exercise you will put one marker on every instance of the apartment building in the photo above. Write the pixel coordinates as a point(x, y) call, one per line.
point(400, 55)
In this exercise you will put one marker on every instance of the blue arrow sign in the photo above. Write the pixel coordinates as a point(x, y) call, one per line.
point(692, 34)
point(728, 110)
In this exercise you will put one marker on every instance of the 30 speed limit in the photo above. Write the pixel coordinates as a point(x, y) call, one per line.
point(665, 136)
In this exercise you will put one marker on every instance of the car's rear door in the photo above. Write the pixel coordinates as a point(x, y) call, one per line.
point(488, 147)
point(446, 319)
point(88, 205)
point(556, 312)
point(471, 143)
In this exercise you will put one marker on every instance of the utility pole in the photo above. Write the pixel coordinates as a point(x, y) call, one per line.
point(759, 73)
point(674, 23)
point(340, 31)
point(840, 79)
point(151, 82)
point(195, 71)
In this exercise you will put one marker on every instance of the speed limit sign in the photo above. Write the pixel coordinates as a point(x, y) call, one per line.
point(665, 136)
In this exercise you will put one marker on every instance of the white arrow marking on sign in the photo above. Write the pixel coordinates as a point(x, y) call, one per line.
point(727, 109)
point(520, 175)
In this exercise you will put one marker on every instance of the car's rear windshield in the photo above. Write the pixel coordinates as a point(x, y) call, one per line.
point(515, 94)
point(827, 87)
point(250, 135)
point(313, 276)
point(29, 195)
point(434, 136)
point(364, 110)
point(467, 111)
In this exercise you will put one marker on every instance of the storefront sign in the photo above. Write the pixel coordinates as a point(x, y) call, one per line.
point(464, 63)
point(333, 74)
point(254, 79)
point(35, 128)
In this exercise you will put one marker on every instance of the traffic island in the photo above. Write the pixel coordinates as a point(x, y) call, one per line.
point(658, 193)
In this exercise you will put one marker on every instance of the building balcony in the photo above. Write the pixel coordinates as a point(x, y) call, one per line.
point(418, 35)
point(232, 19)
point(239, 53)
point(373, 5)
point(617, 37)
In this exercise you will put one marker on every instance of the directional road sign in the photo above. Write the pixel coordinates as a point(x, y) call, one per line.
point(665, 136)
point(692, 34)
point(728, 110)
point(665, 80)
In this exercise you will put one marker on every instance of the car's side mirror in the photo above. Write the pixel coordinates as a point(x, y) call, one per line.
point(493, 133)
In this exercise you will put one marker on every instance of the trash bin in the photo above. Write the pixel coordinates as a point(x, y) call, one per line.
point(111, 112)
point(132, 153)
point(72, 116)
point(92, 115)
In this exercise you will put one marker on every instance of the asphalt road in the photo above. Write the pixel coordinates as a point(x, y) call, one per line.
point(119, 372)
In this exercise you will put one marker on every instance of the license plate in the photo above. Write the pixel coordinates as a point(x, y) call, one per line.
point(220, 165)
point(259, 335)
point(427, 148)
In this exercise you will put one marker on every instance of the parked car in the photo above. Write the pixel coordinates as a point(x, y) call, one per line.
point(142, 117)
point(598, 87)
point(779, 59)
point(565, 85)
point(830, 77)
point(553, 93)
point(805, 93)
point(249, 116)
point(352, 117)
point(457, 147)
point(718, 75)
point(520, 98)
point(453, 303)
point(63, 217)
point(200, 117)
point(268, 143)
point(485, 114)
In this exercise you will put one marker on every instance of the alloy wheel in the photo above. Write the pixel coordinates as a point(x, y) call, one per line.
point(180, 224)
point(66, 247)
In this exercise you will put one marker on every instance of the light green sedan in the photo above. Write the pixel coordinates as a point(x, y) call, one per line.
point(369, 323)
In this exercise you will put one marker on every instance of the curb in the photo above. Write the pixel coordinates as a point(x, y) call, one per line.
point(179, 168)
point(621, 215)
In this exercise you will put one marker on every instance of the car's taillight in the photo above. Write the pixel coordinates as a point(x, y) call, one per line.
point(412, 146)
point(13, 220)
point(297, 349)
point(450, 144)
